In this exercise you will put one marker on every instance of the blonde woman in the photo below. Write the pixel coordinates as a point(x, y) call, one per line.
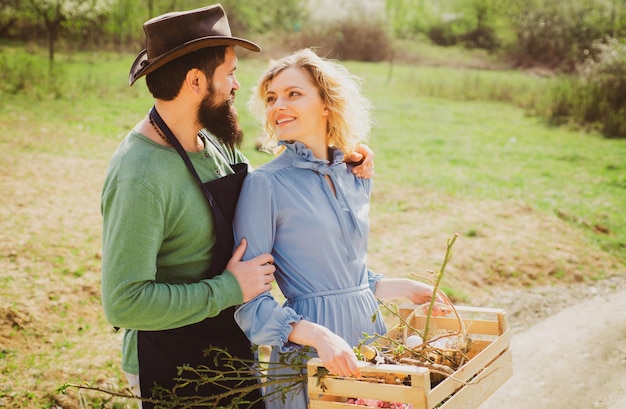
point(310, 211)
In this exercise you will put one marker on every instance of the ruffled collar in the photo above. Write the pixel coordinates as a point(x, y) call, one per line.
point(299, 151)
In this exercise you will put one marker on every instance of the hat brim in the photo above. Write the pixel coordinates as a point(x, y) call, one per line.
point(143, 66)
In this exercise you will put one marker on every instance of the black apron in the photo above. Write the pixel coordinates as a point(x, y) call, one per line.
point(162, 352)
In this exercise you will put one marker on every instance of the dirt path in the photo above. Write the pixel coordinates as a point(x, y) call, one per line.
point(573, 359)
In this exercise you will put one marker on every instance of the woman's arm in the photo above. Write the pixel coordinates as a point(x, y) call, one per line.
point(415, 291)
point(263, 320)
point(335, 353)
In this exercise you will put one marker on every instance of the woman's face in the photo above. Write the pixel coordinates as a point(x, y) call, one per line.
point(294, 108)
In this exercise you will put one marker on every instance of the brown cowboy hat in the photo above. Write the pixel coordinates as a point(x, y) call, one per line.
point(175, 34)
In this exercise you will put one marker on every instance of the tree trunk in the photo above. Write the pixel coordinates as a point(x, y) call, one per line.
point(52, 36)
point(53, 26)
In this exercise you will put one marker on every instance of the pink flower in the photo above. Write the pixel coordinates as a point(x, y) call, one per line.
point(374, 403)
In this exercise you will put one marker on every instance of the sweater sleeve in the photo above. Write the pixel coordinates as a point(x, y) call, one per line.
point(133, 220)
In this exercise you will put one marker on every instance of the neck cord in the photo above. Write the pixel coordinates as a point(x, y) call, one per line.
point(158, 130)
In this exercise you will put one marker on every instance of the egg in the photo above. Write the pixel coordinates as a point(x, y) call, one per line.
point(413, 341)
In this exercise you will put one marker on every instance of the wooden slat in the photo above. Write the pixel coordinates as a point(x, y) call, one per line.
point(481, 387)
point(486, 321)
point(315, 363)
point(503, 320)
point(471, 368)
point(352, 388)
point(320, 404)
point(407, 308)
point(482, 327)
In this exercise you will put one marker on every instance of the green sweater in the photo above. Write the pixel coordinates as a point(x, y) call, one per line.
point(158, 238)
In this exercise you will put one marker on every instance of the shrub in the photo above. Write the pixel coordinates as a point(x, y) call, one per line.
point(349, 40)
point(596, 97)
point(481, 37)
point(554, 33)
point(603, 87)
point(442, 34)
point(29, 74)
point(561, 100)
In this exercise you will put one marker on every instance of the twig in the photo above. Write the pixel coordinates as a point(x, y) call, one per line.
point(237, 377)
point(126, 395)
point(438, 279)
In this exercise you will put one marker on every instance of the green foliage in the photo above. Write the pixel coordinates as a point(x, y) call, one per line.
point(236, 377)
point(556, 33)
point(514, 87)
point(252, 16)
point(561, 99)
point(471, 23)
point(409, 18)
point(29, 74)
point(530, 32)
point(604, 87)
point(546, 32)
point(596, 97)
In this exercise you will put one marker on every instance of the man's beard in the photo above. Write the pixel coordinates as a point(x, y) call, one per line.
point(221, 120)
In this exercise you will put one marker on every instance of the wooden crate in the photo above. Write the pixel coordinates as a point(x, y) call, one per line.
point(487, 369)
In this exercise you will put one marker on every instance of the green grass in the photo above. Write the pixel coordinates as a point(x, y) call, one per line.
point(438, 128)
point(477, 149)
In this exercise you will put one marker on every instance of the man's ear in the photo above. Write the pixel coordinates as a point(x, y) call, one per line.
point(194, 80)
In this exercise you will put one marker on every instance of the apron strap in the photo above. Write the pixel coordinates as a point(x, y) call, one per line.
point(176, 144)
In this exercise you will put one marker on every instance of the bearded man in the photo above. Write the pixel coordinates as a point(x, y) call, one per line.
point(170, 277)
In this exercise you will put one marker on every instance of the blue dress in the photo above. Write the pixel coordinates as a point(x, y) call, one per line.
point(319, 243)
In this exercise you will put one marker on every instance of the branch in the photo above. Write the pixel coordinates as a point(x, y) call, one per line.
point(438, 279)
point(238, 377)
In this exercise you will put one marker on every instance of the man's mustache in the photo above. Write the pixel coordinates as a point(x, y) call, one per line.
point(231, 98)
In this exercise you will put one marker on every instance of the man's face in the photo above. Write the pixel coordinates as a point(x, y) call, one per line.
point(216, 111)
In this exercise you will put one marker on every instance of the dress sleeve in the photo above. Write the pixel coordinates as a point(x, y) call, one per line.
point(373, 279)
point(263, 320)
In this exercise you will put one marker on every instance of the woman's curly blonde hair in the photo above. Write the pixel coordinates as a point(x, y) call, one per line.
point(349, 120)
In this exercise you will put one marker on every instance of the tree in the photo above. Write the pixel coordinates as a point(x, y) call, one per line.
point(253, 16)
point(54, 13)
point(557, 33)
point(9, 16)
point(481, 20)
point(410, 17)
